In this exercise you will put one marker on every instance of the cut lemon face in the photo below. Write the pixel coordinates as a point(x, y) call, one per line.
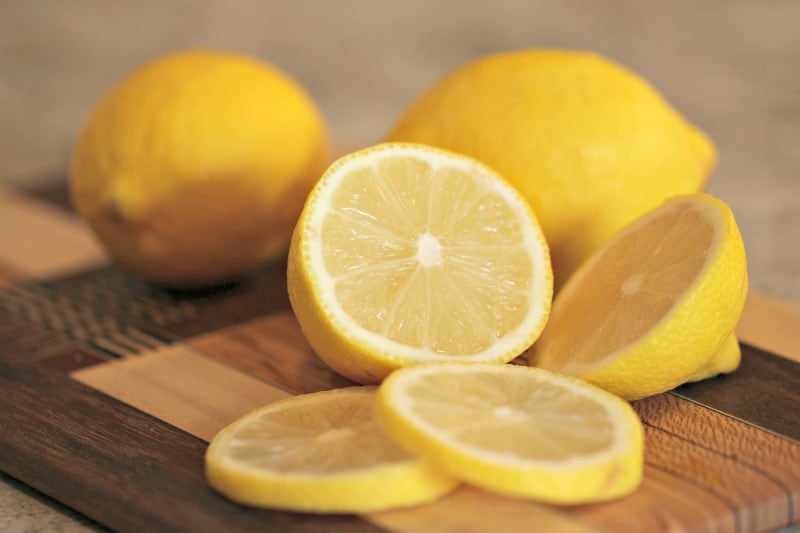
point(656, 307)
point(515, 430)
point(320, 452)
point(407, 254)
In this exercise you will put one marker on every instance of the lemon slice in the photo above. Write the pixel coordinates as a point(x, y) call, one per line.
point(516, 430)
point(320, 452)
point(657, 306)
point(407, 254)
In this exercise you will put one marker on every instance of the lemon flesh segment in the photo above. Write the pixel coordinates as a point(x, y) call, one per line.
point(406, 254)
point(320, 452)
point(656, 307)
point(519, 431)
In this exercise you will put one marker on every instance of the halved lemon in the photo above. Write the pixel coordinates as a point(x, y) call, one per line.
point(656, 307)
point(321, 452)
point(407, 254)
point(516, 430)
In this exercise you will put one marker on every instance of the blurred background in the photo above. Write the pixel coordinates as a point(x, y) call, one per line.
point(732, 67)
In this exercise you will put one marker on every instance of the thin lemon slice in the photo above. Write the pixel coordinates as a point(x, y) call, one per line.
point(320, 452)
point(407, 254)
point(516, 430)
point(657, 306)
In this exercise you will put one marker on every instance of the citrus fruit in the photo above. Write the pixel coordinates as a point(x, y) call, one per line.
point(515, 430)
point(588, 143)
point(405, 254)
point(193, 169)
point(657, 306)
point(321, 452)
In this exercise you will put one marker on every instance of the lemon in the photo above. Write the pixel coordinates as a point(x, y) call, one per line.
point(321, 452)
point(405, 254)
point(514, 430)
point(194, 168)
point(588, 143)
point(657, 306)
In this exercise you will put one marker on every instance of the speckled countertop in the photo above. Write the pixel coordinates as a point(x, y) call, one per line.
point(730, 66)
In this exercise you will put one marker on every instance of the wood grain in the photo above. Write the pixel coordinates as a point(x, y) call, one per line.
point(665, 501)
point(275, 349)
point(7, 277)
point(760, 502)
point(774, 457)
point(467, 510)
point(117, 464)
point(764, 391)
point(705, 471)
point(45, 241)
point(134, 440)
point(182, 387)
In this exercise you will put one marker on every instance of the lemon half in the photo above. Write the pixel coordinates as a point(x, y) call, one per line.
point(657, 306)
point(407, 254)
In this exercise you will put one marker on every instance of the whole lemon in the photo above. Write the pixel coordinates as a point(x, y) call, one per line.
point(194, 168)
point(588, 143)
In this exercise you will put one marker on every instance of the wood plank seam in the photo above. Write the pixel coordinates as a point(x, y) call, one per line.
point(734, 457)
point(232, 366)
point(732, 417)
point(726, 501)
point(115, 450)
point(711, 489)
point(714, 450)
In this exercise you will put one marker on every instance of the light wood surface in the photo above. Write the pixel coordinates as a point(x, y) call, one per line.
point(178, 385)
point(40, 241)
point(770, 324)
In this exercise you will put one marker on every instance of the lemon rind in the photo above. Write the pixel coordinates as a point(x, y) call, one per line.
point(719, 290)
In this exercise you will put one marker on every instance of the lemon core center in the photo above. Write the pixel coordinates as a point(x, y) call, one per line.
point(335, 434)
point(506, 412)
point(429, 250)
point(632, 285)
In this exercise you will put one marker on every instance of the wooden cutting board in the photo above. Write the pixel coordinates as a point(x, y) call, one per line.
point(111, 389)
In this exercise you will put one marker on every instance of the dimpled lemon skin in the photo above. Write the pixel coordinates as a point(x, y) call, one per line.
point(588, 143)
point(193, 169)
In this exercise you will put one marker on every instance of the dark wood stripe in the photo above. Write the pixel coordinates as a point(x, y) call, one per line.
point(112, 310)
point(53, 191)
point(118, 465)
point(764, 392)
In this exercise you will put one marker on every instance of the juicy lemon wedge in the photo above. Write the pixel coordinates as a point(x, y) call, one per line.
point(321, 452)
point(407, 254)
point(515, 430)
point(656, 307)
